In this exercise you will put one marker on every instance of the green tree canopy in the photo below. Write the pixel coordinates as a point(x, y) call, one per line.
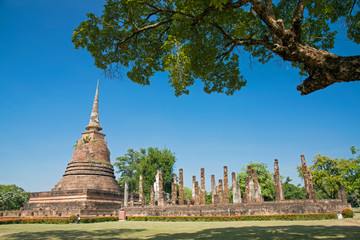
point(292, 192)
point(145, 162)
point(265, 180)
point(329, 174)
point(202, 40)
point(12, 197)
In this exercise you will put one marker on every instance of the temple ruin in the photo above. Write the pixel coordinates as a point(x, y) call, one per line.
point(89, 188)
point(252, 202)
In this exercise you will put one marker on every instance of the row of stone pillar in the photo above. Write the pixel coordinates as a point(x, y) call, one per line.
point(220, 193)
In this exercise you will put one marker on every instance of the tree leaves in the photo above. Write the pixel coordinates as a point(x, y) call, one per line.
point(328, 174)
point(12, 197)
point(201, 40)
point(145, 162)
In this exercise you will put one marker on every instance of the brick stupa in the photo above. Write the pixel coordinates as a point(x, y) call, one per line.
point(88, 186)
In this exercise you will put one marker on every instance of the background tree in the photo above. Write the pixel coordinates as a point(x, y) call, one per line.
point(265, 180)
point(353, 178)
point(329, 174)
point(292, 192)
point(145, 162)
point(203, 40)
point(12, 197)
point(187, 193)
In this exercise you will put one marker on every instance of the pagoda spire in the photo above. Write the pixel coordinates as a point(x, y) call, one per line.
point(94, 124)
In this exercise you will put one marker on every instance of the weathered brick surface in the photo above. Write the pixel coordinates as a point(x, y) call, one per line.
point(174, 190)
point(308, 182)
point(236, 189)
point(141, 189)
point(257, 188)
point(220, 192)
point(263, 208)
point(226, 185)
point(90, 166)
point(181, 187)
point(67, 203)
point(88, 186)
point(250, 185)
point(161, 194)
point(213, 191)
point(279, 192)
point(202, 193)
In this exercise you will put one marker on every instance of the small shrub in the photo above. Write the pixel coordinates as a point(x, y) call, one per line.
point(348, 213)
point(73, 219)
point(99, 219)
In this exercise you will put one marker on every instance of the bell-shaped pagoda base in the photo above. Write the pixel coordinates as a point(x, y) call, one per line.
point(88, 186)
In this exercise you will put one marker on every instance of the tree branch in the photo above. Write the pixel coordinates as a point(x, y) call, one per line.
point(139, 30)
point(222, 30)
point(275, 27)
point(352, 7)
point(268, 4)
point(297, 20)
point(223, 55)
point(228, 5)
point(158, 9)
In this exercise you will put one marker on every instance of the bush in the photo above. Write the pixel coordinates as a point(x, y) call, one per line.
point(348, 213)
point(34, 220)
point(12, 197)
point(286, 217)
point(99, 219)
point(71, 219)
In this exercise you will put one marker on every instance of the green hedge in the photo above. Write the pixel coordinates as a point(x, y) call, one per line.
point(287, 217)
point(348, 213)
point(57, 220)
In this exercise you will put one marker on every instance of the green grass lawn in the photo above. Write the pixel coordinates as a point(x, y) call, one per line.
point(322, 229)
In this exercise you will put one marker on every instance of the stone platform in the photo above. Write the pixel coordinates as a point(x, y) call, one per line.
point(256, 208)
point(64, 204)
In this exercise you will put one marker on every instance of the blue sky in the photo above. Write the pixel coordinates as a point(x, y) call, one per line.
point(47, 88)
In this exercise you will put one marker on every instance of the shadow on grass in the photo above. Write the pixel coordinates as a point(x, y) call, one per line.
point(73, 234)
point(276, 232)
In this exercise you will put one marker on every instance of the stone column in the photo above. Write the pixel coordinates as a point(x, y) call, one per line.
point(341, 194)
point(126, 194)
point(188, 201)
point(152, 195)
point(247, 197)
point(279, 192)
point(226, 186)
point(174, 191)
point(235, 189)
point(131, 199)
point(181, 187)
point(141, 189)
point(161, 195)
point(257, 188)
point(202, 193)
point(213, 192)
point(309, 188)
point(156, 186)
point(220, 192)
point(251, 185)
point(197, 192)
point(193, 190)
point(282, 196)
